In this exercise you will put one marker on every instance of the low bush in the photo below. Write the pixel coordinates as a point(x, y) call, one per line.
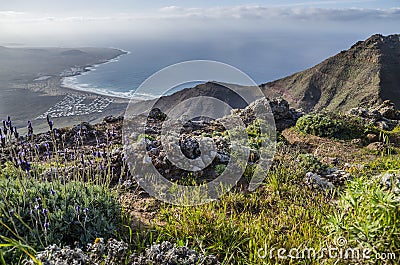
point(368, 216)
point(309, 162)
point(44, 213)
point(319, 125)
point(334, 126)
point(381, 164)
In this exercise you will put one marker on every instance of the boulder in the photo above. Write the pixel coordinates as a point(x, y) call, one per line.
point(113, 119)
point(391, 181)
point(190, 148)
point(284, 116)
point(157, 114)
point(385, 116)
point(372, 137)
point(372, 115)
point(315, 181)
point(376, 146)
point(387, 110)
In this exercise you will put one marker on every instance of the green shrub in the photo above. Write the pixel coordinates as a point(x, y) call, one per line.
point(146, 136)
point(44, 213)
point(384, 163)
point(335, 126)
point(220, 168)
point(309, 162)
point(320, 125)
point(368, 216)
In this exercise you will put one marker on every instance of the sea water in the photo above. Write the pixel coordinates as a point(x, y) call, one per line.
point(120, 77)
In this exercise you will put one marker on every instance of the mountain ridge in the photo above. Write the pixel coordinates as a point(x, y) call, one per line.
point(363, 76)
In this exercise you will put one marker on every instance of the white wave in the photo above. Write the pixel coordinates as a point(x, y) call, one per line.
point(42, 78)
point(72, 83)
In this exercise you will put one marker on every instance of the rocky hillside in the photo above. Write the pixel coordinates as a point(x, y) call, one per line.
point(364, 75)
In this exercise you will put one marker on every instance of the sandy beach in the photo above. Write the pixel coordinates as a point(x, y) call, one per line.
point(31, 87)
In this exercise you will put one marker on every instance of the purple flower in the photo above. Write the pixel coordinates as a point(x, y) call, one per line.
point(77, 208)
point(46, 226)
point(50, 122)
point(53, 192)
point(30, 128)
point(44, 211)
point(86, 210)
point(16, 134)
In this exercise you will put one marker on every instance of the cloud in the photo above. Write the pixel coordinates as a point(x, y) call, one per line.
point(282, 12)
point(180, 23)
point(11, 14)
point(331, 2)
point(294, 12)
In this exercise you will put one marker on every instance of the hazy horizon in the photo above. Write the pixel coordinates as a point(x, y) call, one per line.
point(266, 39)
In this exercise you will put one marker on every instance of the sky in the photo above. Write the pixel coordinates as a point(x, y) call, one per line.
point(49, 22)
point(95, 6)
point(284, 36)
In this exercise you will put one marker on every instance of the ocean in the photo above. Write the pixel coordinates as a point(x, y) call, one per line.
point(119, 77)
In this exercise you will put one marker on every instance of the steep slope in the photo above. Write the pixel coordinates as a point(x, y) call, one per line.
point(210, 89)
point(390, 72)
point(365, 75)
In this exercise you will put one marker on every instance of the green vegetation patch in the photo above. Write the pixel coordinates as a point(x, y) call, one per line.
point(334, 126)
point(281, 214)
point(368, 216)
point(43, 213)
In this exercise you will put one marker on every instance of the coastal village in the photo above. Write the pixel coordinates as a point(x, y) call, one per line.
point(75, 105)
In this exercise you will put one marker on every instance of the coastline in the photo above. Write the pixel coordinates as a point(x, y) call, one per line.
point(38, 92)
point(91, 67)
point(67, 80)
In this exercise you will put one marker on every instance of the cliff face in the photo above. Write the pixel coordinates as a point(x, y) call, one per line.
point(365, 75)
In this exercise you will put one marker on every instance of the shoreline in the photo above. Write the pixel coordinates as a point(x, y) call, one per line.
point(39, 90)
point(53, 85)
point(115, 105)
point(90, 67)
point(86, 69)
